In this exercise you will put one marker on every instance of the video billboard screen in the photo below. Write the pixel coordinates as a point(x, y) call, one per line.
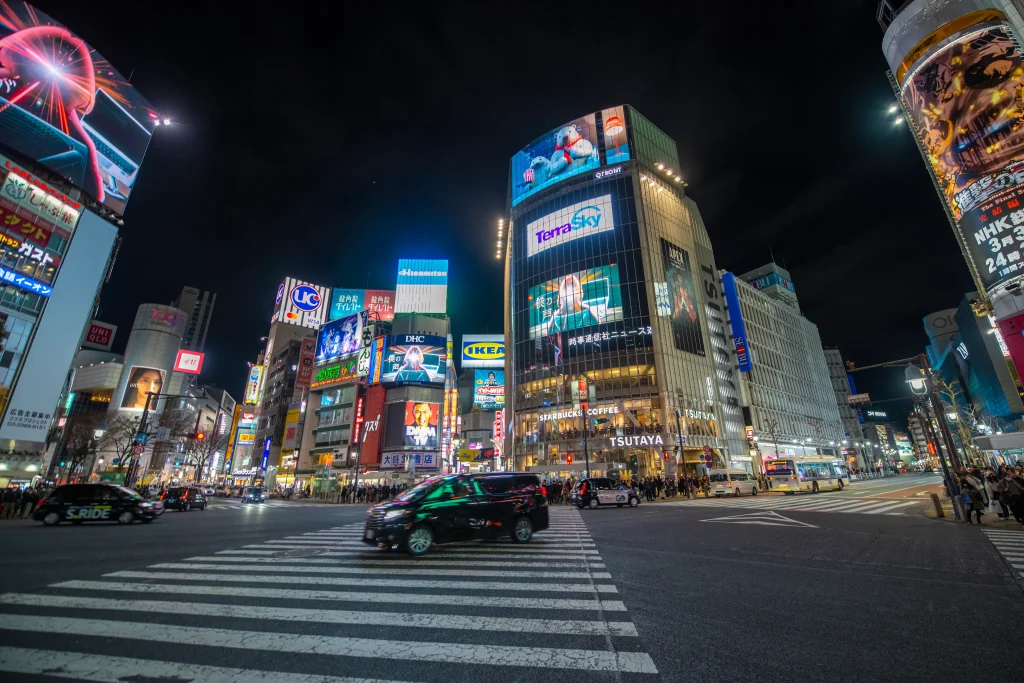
point(574, 301)
point(489, 389)
point(565, 225)
point(414, 359)
point(616, 144)
point(340, 337)
point(412, 424)
point(483, 351)
point(421, 286)
point(682, 296)
point(141, 381)
point(966, 108)
point(562, 153)
point(65, 107)
point(345, 302)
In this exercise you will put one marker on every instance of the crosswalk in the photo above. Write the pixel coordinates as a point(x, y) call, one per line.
point(307, 607)
point(807, 503)
point(257, 506)
point(1010, 545)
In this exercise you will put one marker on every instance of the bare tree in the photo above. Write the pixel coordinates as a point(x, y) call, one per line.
point(78, 446)
point(815, 424)
point(199, 452)
point(771, 428)
point(119, 439)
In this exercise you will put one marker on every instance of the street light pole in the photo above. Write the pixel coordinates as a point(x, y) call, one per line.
point(679, 440)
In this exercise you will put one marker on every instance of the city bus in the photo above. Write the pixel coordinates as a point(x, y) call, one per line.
point(810, 473)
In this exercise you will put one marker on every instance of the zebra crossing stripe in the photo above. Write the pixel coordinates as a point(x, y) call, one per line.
point(405, 619)
point(397, 562)
point(376, 571)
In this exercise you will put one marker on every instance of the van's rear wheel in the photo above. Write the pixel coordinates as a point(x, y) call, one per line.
point(736, 493)
point(634, 501)
point(419, 540)
point(522, 531)
point(753, 491)
point(594, 503)
point(125, 518)
point(814, 487)
point(51, 519)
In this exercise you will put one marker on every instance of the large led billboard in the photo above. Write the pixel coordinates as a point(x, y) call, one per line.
point(380, 302)
point(414, 359)
point(345, 302)
point(301, 303)
point(575, 301)
point(142, 381)
point(422, 286)
point(483, 351)
point(64, 106)
point(577, 220)
point(965, 104)
point(616, 145)
point(340, 337)
point(489, 389)
point(413, 424)
point(682, 296)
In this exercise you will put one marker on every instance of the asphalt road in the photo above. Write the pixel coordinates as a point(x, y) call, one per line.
point(657, 593)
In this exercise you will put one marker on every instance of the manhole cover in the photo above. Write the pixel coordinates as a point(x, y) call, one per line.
point(304, 552)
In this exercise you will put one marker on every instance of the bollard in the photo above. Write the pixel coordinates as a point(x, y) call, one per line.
point(938, 505)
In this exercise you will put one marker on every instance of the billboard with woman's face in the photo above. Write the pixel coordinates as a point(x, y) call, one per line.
point(574, 301)
point(141, 381)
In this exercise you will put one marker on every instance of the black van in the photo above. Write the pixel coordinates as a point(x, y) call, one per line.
point(77, 503)
point(460, 507)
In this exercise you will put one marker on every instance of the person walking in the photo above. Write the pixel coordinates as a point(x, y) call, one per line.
point(971, 500)
point(11, 501)
point(29, 500)
point(1013, 493)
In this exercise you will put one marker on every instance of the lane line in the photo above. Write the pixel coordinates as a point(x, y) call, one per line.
point(375, 571)
point(399, 562)
point(442, 652)
point(443, 549)
point(894, 506)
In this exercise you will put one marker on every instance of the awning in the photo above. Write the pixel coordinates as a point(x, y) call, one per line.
point(1000, 442)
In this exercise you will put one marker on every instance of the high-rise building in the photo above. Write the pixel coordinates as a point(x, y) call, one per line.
point(199, 307)
point(847, 413)
point(774, 281)
point(617, 350)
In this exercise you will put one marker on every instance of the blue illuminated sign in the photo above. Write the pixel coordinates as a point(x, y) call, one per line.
point(266, 454)
point(13, 277)
point(739, 330)
point(305, 298)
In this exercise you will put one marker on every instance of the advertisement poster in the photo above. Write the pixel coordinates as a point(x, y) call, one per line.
point(414, 359)
point(489, 389)
point(739, 329)
point(421, 286)
point(381, 302)
point(141, 381)
point(99, 336)
point(345, 302)
point(307, 356)
point(616, 146)
point(562, 153)
point(252, 385)
point(483, 351)
point(967, 105)
point(65, 106)
point(301, 303)
point(369, 437)
point(682, 295)
point(565, 225)
point(575, 301)
point(340, 337)
point(412, 425)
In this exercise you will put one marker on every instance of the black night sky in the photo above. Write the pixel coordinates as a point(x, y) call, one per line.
point(325, 142)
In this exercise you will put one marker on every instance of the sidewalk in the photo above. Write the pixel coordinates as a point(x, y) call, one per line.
point(988, 519)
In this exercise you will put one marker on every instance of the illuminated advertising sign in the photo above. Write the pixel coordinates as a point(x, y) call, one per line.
point(616, 144)
point(13, 277)
point(307, 356)
point(483, 351)
point(99, 336)
point(141, 381)
point(345, 371)
point(562, 153)
point(340, 337)
point(739, 330)
point(414, 359)
point(246, 438)
point(301, 303)
point(413, 424)
point(266, 454)
point(377, 350)
point(189, 362)
point(574, 301)
point(64, 106)
point(345, 302)
point(380, 302)
point(422, 286)
point(370, 435)
point(565, 225)
point(682, 295)
point(32, 209)
point(400, 461)
point(489, 389)
point(252, 385)
point(771, 279)
point(964, 104)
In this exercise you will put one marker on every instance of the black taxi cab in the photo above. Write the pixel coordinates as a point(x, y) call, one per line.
point(598, 491)
point(460, 507)
point(77, 503)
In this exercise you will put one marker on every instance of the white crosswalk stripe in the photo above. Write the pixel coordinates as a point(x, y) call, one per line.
point(488, 605)
point(278, 505)
point(806, 503)
point(1009, 544)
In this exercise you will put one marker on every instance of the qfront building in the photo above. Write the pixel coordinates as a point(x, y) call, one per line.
point(616, 330)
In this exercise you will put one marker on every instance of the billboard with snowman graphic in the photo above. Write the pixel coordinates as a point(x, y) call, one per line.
point(569, 150)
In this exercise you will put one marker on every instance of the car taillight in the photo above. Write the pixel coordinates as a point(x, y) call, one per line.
point(544, 491)
point(583, 489)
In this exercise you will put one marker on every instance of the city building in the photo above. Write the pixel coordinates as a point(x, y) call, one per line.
point(616, 342)
point(786, 384)
point(774, 281)
point(199, 306)
point(847, 412)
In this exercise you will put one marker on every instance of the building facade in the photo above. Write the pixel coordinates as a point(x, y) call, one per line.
point(199, 306)
point(615, 328)
point(847, 413)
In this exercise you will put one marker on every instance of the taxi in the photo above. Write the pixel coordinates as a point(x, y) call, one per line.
point(78, 503)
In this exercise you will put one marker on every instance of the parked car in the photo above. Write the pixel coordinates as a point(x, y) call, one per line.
point(77, 503)
point(598, 491)
point(184, 498)
point(460, 507)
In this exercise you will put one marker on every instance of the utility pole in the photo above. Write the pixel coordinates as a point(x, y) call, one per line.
point(679, 440)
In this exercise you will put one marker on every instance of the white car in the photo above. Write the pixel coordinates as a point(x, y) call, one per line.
point(208, 491)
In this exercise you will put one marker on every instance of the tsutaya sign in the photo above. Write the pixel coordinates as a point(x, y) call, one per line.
point(565, 414)
point(622, 441)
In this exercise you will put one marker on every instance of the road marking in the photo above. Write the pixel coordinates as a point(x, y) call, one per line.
point(397, 583)
point(110, 669)
point(443, 549)
point(403, 619)
point(767, 518)
point(360, 544)
point(894, 506)
point(375, 571)
point(459, 653)
point(410, 562)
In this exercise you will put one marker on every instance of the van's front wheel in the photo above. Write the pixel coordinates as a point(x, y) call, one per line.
point(522, 531)
point(419, 540)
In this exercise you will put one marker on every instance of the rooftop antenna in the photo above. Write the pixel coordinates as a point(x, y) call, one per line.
point(771, 252)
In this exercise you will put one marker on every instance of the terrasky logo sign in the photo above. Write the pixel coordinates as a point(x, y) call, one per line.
point(572, 222)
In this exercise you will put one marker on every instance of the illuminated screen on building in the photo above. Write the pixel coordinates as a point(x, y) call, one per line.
point(575, 301)
point(65, 107)
point(966, 105)
point(682, 298)
point(489, 389)
point(340, 337)
point(411, 425)
point(415, 359)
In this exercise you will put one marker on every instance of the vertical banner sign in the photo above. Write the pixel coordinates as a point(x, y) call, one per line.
point(739, 330)
point(266, 454)
point(305, 372)
point(377, 351)
point(499, 426)
point(682, 299)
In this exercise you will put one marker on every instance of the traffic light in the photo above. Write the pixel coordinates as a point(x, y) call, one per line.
point(633, 465)
point(62, 463)
point(200, 436)
point(665, 453)
point(568, 459)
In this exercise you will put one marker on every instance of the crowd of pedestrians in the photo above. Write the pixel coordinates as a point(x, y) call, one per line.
point(372, 493)
point(996, 490)
point(18, 503)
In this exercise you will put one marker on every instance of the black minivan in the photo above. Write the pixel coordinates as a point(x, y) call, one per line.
point(77, 503)
point(460, 507)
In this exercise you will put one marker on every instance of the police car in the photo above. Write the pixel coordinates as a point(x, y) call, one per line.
point(77, 503)
point(598, 491)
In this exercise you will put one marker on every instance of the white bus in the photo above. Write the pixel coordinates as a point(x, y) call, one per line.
point(811, 473)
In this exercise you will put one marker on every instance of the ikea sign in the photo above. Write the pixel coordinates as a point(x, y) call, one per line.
point(483, 351)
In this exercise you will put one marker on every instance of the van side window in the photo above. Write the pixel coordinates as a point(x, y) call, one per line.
point(525, 484)
point(495, 485)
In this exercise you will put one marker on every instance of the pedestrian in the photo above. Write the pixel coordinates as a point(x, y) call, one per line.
point(1013, 493)
point(971, 500)
point(11, 502)
point(29, 499)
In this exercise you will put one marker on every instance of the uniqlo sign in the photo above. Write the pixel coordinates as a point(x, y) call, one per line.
point(189, 362)
point(99, 336)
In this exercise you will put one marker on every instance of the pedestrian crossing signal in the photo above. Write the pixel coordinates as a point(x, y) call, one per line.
point(568, 459)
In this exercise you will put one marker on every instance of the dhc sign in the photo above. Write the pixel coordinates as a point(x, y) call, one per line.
point(572, 222)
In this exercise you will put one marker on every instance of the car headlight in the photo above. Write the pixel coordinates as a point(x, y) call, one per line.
point(391, 514)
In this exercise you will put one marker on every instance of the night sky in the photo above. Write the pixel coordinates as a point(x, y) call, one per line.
point(327, 144)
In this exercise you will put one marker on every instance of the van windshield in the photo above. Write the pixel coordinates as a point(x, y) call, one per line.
point(421, 489)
